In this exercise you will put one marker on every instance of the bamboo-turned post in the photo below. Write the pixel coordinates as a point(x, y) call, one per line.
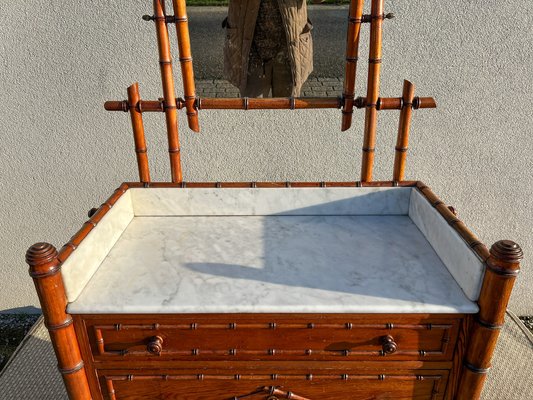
point(184, 46)
point(502, 267)
point(402, 141)
point(352, 54)
point(374, 69)
point(169, 97)
point(134, 106)
point(45, 271)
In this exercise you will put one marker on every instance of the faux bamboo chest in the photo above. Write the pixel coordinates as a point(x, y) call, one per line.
point(273, 290)
point(230, 291)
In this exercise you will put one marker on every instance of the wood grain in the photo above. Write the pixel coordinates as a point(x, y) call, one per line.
point(402, 141)
point(374, 69)
point(352, 54)
point(502, 267)
point(45, 270)
point(260, 337)
point(329, 384)
point(138, 132)
point(169, 95)
point(184, 46)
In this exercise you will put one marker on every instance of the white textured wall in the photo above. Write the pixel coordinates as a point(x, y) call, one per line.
point(61, 153)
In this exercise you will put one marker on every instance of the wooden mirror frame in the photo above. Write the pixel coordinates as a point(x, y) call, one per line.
point(170, 104)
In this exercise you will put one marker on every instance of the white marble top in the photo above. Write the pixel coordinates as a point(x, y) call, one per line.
point(245, 264)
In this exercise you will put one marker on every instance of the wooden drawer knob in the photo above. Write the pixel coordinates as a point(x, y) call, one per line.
point(155, 345)
point(388, 345)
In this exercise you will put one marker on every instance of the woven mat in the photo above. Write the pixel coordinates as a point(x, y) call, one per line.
point(31, 374)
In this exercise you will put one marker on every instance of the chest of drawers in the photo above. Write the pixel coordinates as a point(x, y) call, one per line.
point(355, 293)
point(269, 356)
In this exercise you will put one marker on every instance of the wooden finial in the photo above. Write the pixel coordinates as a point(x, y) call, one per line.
point(40, 253)
point(507, 251)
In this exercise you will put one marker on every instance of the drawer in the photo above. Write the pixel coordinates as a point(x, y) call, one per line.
point(319, 385)
point(242, 338)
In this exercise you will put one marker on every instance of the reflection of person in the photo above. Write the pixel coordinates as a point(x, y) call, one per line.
point(268, 47)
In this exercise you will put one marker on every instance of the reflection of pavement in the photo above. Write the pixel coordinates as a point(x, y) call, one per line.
point(314, 87)
point(329, 40)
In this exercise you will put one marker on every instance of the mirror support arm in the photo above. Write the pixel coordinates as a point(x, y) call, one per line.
point(355, 19)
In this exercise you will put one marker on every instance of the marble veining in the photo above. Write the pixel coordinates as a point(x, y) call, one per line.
point(78, 269)
point(225, 264)
point(461, 261)
point(271, 201)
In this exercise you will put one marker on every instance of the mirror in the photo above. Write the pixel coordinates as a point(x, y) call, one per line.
point(268, 48)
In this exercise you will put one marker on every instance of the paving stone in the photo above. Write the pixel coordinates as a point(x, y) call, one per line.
point(313, 87)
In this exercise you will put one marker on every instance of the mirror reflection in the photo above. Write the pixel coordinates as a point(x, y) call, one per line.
point(268, 48)
point(279, 57)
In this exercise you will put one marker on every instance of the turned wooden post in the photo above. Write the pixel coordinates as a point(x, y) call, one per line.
point(502, 267)
point(134, 105)
point(352, 54)
point(169, 95)
point(404, 125)
point(45, 270)
point(372, 95)
point(184, 47)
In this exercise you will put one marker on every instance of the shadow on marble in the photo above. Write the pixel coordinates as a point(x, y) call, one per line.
point(325, 257)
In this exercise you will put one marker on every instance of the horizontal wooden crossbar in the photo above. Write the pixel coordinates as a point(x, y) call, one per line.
point(276, 103)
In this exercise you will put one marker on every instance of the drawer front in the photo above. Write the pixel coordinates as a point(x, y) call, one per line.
point(310, 338)
point(317, 386)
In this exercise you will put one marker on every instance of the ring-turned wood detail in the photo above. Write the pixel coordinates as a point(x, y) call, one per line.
point(135, 108)
point(277, 103)
point(201, 377)
point(404, 125)
point(184, 47)
point(169, 95)
point(352, 55)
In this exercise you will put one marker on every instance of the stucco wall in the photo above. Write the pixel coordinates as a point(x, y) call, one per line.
point(61, 153)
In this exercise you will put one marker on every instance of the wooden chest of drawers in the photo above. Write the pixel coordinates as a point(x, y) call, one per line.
point(298, 306)
point(269, 356)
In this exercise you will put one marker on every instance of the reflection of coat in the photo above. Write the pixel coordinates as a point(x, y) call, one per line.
point(240, 27)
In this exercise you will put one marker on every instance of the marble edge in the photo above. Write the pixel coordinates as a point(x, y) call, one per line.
point(78, 269)
point(270, 201)
point(465, 279)
point(467, 308)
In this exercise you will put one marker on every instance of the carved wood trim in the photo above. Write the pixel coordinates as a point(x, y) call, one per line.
point(100, 343)
point(272, 325)
point(203, 377)
point(227, 185)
